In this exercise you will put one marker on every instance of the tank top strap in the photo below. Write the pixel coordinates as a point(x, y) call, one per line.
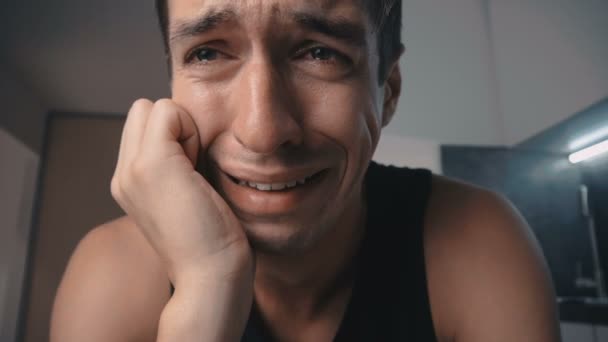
point(390, 298)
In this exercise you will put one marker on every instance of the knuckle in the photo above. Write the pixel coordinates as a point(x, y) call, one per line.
point(164, 104)
point(140, 104)
point(168, 107)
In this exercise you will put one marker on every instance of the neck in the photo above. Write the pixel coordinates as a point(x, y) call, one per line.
point(304, 284)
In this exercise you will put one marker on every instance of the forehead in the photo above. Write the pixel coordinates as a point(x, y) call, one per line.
point(261, 10)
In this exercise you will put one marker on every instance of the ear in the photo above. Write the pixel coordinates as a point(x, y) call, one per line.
point(392, 91)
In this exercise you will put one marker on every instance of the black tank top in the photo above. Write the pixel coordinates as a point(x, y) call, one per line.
point(389, 300)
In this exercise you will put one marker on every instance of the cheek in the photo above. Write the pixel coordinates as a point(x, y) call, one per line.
point(206, 107)
point(345, 113)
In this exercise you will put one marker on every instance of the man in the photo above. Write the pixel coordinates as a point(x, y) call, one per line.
point(251, 192)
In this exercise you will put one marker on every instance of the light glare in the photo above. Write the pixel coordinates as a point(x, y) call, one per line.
point(589, 152)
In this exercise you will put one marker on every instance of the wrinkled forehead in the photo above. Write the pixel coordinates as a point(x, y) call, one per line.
point(265, 11)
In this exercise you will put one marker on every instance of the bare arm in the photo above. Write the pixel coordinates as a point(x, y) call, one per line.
point(113, 289)
point(487, 275)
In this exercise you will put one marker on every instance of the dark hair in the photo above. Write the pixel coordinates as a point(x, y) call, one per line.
point(385, 16)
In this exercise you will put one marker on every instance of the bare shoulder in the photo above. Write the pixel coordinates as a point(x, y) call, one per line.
point(487, 277)
point(113, 289)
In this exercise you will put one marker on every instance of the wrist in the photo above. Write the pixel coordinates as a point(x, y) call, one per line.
point(229, 266)
point(226, 274)
point(205, 310)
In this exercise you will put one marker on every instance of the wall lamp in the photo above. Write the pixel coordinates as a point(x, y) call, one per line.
point(590, 152)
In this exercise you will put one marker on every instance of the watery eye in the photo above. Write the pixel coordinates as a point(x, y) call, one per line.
point(323, 54)
point(205, 55)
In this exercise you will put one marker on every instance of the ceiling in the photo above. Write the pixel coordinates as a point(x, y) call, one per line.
point(84, 56)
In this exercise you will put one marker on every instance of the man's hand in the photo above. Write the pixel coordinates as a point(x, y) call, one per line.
point(155, 182)
point(185, 220)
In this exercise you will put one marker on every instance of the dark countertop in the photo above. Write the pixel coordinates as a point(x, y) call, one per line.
point(583, 310)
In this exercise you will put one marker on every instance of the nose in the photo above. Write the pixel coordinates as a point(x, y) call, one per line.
point(266, 114)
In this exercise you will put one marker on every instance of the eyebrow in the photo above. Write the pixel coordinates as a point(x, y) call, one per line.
point(206, 23)
point(342, 29)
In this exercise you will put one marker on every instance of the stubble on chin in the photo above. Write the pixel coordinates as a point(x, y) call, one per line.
point(292, 241)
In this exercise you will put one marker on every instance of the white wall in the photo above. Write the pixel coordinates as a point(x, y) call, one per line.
point(18, 171)
point(408, 151)
point(551, 59)
point(449, 93)
point(493, 72)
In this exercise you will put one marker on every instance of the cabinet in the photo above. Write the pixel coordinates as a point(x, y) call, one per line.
point(579, 332)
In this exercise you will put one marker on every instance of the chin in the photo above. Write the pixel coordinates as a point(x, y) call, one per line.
point(283, 238)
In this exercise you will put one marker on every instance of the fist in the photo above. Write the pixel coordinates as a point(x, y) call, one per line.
point(184, 219)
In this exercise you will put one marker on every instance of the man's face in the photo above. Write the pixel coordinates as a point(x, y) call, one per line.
point(280, 90)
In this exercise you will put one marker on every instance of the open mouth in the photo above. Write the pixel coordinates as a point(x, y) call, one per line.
point(275, 187)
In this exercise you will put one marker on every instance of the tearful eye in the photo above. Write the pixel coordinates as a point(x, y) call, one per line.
point(205, 54)
point(323, 62)
point(323, 54)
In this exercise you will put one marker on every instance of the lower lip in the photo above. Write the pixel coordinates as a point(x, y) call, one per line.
point(273, 203)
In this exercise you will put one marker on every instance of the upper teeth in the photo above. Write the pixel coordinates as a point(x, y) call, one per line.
point(273, 186)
